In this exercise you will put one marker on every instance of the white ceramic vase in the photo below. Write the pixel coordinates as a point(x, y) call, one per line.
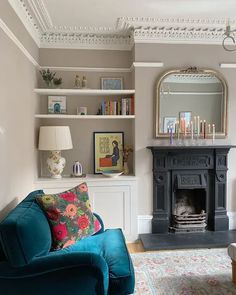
point(56, 164)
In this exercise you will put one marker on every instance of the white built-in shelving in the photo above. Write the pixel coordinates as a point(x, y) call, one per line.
point(95, 92)
point(83, 117)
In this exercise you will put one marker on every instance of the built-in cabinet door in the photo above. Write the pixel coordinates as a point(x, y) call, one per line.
point(114, 205)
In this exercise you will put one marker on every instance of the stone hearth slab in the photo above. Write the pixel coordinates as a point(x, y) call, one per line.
point(171, 241)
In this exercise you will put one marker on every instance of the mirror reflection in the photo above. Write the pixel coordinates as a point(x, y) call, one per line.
point(191, 102)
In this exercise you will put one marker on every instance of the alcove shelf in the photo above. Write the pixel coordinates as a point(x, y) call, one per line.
point(45, 91)
point(83, 117)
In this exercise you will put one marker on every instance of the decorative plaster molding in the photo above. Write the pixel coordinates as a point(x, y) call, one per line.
point(41, 14)
point(173, 30)
point(128, 30)
point(85, 41)
point(12, 36)
point(136, 22)
point(27, 19)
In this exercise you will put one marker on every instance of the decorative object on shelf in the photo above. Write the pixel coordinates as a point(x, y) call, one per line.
point(84, 82)
point(112, 83)
point(112, 173)
point(126, 151)
point(55, 139)
point(48, 77)
point(56, 104)
point(77, 169)
point(77, 82)
point(108, 154)
point(57, 82)
point(82, 111)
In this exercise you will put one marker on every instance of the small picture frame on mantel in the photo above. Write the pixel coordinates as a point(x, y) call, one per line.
point(112, 83)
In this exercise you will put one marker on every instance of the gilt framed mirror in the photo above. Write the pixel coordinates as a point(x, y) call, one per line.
point(191, 96)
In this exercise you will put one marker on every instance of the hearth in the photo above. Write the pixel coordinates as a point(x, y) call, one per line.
point(195, 175)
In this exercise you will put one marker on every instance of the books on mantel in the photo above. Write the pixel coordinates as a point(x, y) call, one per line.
point(123, 106)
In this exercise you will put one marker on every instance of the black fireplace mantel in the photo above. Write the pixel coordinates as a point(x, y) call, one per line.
point(190, 163)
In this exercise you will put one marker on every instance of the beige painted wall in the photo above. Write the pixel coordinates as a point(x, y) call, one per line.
point(85, 58)
point(145, 80)
point(17, 80)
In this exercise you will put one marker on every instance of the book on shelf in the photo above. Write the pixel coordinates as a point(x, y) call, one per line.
point(123, 106)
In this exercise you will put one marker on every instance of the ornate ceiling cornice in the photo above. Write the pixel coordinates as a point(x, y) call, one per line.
point(86, 41)
point(128, 30)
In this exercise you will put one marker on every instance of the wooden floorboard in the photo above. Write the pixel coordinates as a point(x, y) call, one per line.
point(136, 247)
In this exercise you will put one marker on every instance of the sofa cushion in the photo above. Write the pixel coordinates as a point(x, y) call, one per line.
point(70, 216)
point(25, 233)
point(111, 245)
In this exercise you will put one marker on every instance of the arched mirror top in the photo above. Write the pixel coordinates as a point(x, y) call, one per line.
point(191, 101)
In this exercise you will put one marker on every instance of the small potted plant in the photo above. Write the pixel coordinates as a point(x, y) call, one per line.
point(48, 77)
point(57, 82)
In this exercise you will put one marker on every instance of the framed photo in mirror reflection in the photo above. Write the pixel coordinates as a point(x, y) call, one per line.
point(185, 118)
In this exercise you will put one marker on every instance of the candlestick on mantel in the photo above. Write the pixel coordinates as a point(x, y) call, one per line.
point(198, 125)
point(204, 129)
point(213, 132)
point(191, 128)
point(171, 135)
point(195, 124)
point(209, 128)
point(201, 127)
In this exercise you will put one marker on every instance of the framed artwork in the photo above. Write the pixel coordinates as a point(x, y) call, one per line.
point(187, 117)
point(56, 104)
point(112, 83)
point(168, 122)
point(108, 151)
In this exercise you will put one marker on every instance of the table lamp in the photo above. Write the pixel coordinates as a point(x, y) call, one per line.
point(55, 139)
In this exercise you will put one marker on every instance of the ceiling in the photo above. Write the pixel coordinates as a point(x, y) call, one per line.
point(112, 24)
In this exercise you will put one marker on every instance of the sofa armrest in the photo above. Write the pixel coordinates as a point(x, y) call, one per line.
point(81, 273)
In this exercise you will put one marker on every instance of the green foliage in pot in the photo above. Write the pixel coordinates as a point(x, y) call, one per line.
point(57, 81)
point(47, 76)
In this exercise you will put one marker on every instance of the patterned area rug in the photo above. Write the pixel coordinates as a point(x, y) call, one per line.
point(183, 272)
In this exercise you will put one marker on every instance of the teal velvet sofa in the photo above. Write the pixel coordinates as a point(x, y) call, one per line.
point(99, 264)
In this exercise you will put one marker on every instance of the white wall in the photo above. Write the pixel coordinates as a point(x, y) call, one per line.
point(17, 80)
point(174, 56)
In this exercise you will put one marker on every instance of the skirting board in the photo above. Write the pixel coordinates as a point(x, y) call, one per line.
point(145, 223)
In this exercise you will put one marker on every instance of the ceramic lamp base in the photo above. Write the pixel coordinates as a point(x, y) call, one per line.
point(56, 164)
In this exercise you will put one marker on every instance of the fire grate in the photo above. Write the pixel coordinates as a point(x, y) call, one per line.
point(189, 222)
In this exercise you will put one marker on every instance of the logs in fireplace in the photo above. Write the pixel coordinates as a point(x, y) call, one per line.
point(189, 188)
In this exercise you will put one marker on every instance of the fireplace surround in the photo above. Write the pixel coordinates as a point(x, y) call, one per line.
point(200, 168)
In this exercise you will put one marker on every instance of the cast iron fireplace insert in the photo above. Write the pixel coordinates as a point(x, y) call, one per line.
point(202, 169)
point(185, 167)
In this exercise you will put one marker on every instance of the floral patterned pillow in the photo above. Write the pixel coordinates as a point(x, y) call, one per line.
point(70, 216)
